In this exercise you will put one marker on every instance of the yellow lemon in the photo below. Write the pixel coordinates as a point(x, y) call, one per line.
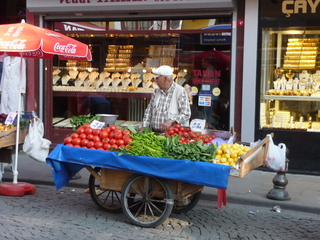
point(246, 149)
point(235, 160)
point(226, 155)
point(219, 152)
point(240, 153)
point(218, 157)
point(230, 160)
point(234, 155)
point(223, 160)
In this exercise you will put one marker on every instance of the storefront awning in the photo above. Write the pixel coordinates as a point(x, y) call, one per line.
point(85, 6)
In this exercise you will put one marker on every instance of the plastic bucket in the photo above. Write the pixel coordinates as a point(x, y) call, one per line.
point(108, 119)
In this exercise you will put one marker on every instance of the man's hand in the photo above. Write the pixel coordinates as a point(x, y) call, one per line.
point(165, 126)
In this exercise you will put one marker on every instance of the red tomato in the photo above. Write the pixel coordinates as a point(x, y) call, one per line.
point(106, 146)
point(96, 138)
point(111, 134)
point(84, 142)
point(105, 140)
point(74, 135)
point(67, 140)
point(90, 136)
point(77, 146)
point(120, 142)
point(80, 130)
point(96, 132)
point(182, 129)
point(127, 141)
point(115, 146)
point(69, 144)
point(100, 148)
point(126, 132)
point(177, 125)
point(118, 135)
point(76, 141)
point(112, 141)
point(88, 130)
point(83, 136)
point(104, 134)
point(90, 144)
point(98, 145)
point(86, 125)
point(84, 147)
point(112, 127)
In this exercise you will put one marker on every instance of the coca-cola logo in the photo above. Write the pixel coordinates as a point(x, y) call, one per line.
point(67, 48)
point(16, 44)
point(37, 53)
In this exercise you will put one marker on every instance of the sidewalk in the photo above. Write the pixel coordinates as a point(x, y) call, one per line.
point(304, 190)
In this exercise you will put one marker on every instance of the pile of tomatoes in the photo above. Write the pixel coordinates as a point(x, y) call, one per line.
point(186, 135)
point(106, 138)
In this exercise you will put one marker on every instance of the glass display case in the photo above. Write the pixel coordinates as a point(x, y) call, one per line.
point(290, 79)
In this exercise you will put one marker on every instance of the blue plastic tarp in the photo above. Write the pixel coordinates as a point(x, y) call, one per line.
point(66, 161)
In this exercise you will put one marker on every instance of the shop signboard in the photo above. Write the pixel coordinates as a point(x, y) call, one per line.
point(289, 13)
point(40, 6)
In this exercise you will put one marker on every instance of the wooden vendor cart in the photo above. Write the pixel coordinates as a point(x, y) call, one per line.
point(146, 189)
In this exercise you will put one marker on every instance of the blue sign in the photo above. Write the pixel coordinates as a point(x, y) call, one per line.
point(215, 38)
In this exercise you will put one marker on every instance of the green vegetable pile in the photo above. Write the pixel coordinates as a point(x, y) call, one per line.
point(146, 143)
point(194, 151)
point(77, 121)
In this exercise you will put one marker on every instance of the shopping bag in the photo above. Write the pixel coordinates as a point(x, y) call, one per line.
point(35, 146)
point(276, 156)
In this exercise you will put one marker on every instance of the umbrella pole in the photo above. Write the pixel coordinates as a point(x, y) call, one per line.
point(15, 171)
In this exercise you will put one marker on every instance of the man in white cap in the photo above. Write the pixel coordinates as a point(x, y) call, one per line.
point(169, 103)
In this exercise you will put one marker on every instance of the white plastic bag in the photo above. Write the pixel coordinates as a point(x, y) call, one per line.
point(276, 156)
point(34, 144)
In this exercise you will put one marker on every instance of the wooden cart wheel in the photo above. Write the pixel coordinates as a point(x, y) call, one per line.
point(146, 201)
point(108, 200)
point(187, 204)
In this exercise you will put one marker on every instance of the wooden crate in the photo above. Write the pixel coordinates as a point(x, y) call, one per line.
point(8, 138)
point(254, 158)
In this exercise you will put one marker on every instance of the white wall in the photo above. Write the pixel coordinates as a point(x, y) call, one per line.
point(249, 70)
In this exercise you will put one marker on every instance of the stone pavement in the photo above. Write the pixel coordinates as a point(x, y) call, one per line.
point(304, 190)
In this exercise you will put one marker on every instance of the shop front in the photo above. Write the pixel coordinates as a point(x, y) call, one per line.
point(288, 80)
point(193, 37)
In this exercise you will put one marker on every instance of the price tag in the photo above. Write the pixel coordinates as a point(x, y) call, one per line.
point(197, 125)
point(96, 124)
point(10, 118)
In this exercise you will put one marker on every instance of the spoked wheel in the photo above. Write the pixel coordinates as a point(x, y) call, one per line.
point(187, 204)
point(108, 200)
point(146, 201)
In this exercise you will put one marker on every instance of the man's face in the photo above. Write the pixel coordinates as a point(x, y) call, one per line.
point(161, 81)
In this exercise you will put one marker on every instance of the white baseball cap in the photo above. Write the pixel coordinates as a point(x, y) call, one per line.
point(162, 71)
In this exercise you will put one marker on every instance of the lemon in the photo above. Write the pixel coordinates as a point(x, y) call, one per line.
point(246, 149)
point(226, 155)
point(223, 160)
point(240, 153)
point(234, 155)
point(219, 152)
point(230, 160)
point(235, 160)
point(218, 156)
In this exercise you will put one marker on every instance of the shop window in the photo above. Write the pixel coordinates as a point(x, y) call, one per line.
point(120, 72)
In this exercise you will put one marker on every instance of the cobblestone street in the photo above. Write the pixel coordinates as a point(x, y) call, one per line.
point(71, 214)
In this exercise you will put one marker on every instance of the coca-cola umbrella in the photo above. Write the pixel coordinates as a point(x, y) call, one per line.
point(29, 41)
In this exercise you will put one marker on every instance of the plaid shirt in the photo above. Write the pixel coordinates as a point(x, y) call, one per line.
point(154, 119)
